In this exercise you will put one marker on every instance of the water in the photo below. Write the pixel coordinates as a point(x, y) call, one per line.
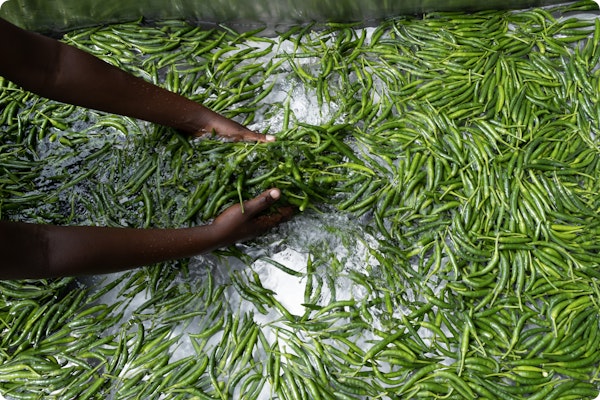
point(324, 256)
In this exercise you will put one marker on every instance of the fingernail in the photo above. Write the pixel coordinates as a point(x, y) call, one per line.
point(270, 138)
point(274, 194)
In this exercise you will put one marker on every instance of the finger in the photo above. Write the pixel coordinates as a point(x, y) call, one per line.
point(239, 135)
point(249, 136)
point(258, 137)
point(261, 202)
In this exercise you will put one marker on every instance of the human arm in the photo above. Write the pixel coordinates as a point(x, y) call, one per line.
point(64, 73)
point(48, 251)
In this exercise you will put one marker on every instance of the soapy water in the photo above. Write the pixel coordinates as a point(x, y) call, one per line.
point(337, 244)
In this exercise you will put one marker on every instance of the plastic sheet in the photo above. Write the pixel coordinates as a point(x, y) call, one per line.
point(62, 15)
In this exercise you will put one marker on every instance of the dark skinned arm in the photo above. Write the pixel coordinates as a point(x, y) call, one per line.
point(47, 251)
point(64, 73)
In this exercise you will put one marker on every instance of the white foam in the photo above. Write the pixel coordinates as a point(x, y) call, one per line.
point(289, 289)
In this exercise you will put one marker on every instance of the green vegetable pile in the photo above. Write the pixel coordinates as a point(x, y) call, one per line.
point(459, 152)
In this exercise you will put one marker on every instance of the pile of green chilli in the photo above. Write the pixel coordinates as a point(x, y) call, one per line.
point(460, 152)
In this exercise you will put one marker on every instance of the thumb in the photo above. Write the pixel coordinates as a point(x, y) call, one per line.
point(262, 202)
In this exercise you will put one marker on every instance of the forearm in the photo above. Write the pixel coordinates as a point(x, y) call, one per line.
point(82, 79)
point(42, 251)
point(64, 73)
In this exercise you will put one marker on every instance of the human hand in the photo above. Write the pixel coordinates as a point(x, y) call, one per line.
point(237, 223)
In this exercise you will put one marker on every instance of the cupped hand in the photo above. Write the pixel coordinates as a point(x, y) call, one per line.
point(240, 223)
